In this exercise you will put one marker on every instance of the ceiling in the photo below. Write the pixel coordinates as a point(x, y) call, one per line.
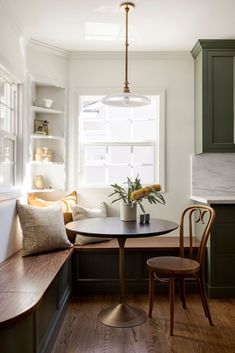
point(98, 25)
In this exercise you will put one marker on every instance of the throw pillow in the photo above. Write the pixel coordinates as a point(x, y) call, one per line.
point(66, 203)
point(79, 212)
point(42, 228)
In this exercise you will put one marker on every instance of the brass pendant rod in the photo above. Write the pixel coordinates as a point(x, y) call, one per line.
point(126, 84)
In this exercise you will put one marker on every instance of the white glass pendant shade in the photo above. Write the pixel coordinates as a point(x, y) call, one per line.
point(125, 100)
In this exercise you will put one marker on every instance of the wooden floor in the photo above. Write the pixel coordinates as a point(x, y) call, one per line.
point(82, 333)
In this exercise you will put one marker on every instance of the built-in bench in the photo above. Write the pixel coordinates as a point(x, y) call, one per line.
point(96, 266)
point(33, 293)
point(34, 290)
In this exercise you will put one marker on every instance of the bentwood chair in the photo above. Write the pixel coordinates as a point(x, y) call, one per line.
point(176, 268)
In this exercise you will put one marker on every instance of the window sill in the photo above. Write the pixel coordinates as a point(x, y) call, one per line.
point(9, 193)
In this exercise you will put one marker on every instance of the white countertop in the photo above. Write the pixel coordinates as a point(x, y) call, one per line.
point(219, 199)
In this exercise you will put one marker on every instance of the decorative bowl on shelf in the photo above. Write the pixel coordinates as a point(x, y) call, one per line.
point(44, 102)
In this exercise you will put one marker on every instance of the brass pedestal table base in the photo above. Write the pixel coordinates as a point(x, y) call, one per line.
point(122, 315)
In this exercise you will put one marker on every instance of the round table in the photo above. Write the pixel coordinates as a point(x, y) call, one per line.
point(122, 314)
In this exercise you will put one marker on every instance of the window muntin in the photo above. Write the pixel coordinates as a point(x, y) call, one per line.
point(118, 142)
point(8, 121)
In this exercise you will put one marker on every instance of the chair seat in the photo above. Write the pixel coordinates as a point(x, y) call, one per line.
point(173, 265)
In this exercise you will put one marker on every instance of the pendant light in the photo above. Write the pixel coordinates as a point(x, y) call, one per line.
point(126, 99)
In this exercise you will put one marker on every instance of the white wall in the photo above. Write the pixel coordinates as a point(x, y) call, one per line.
point(148, 71)
point(10, 239)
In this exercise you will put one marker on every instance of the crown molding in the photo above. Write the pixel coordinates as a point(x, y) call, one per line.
point(134, 55)
point(212, 44)
point(108, 55)
point(51, 49)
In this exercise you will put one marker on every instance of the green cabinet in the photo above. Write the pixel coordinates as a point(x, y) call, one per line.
point(214, 95)
point(221, 253)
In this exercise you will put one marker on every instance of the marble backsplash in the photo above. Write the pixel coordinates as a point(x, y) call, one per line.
point(213, 174)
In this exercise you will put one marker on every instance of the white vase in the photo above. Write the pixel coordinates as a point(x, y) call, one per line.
point(127, 212)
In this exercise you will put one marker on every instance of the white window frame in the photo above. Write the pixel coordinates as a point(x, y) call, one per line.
point(8, 191)
point(78, 153)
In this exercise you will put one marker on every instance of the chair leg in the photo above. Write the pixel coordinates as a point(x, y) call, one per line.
point(204, 299)
point(171, 300)
point(182, 291)
point(151, 292)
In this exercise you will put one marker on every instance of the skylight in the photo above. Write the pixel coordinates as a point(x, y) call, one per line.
point(101, 31)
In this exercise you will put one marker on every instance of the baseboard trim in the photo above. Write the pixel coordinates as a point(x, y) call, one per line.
point(220, 292)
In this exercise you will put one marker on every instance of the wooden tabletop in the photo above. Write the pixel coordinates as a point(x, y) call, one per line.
point(115, 228)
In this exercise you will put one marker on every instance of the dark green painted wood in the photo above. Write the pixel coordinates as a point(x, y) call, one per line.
point(220, 291)
point(198, 106)
point(222, 102)
point(52, 309)
point(224, 213)
point(214, 95)
point(48, 340)
point(215, 44)
point(45, 311)
point(93, 275)
point(221, 253)
point(64, 282)
point(18, 338)
point(224, 234)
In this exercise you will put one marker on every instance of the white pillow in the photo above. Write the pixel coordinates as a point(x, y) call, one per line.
point(80, 212)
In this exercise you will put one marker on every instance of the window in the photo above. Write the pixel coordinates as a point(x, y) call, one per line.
point(8, 118)
point(116, 143)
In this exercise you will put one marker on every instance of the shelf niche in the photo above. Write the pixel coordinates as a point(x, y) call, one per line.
point(54, 141)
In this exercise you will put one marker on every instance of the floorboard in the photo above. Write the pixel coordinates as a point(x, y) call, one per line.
point(82, 333)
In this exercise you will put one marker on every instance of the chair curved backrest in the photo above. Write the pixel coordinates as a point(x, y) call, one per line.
point(198, 220)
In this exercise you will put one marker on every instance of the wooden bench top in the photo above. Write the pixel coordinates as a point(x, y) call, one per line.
point(159, 243)
point(24, 280)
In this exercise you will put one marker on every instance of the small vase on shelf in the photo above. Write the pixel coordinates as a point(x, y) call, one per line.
point(39, 183)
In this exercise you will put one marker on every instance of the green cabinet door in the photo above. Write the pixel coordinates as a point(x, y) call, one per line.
point(221, 253)
point(214, 95)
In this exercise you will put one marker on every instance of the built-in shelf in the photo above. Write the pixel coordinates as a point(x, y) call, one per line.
point(7, 162)
point(47, 162)
point(43, 110)
point(41, 136)
point(52, 170)
point(42, 190)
